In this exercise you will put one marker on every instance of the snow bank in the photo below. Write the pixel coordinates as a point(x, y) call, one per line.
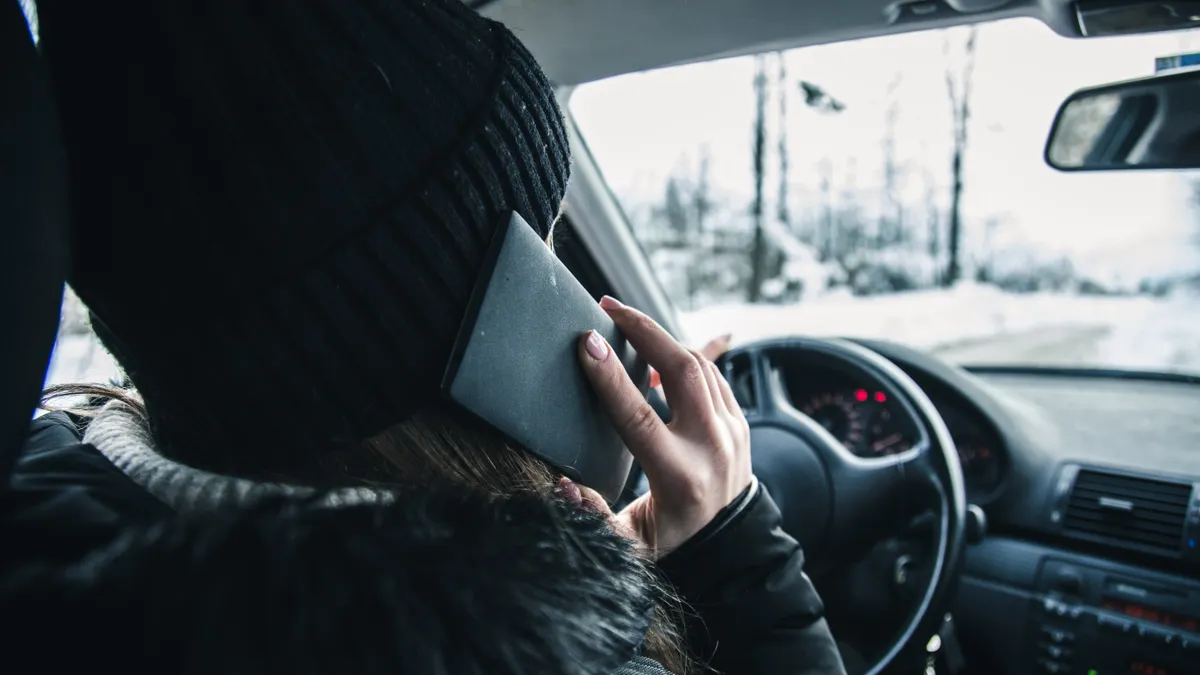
point(1138, 332)
point(81, 358)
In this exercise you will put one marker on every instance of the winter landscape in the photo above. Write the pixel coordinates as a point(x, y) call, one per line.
point(889, 188)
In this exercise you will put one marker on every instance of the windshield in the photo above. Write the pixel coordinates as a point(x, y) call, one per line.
point(895, 188)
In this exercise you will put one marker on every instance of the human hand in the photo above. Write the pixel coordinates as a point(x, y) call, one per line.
point(698, 463)
point(711, 351)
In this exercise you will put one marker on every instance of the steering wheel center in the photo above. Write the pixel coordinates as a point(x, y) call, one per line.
point(794, 474)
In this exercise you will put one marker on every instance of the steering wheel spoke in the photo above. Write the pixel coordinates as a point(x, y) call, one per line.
point(872, 497)
point(837, 504)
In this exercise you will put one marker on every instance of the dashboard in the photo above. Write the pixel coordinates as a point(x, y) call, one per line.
point(1089, 561)
point(1091, 486)
point(860, 415)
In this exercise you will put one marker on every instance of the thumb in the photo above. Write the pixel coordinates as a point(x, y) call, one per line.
point(716, 347)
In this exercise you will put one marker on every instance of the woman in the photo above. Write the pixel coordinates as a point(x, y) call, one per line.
point(281, 210)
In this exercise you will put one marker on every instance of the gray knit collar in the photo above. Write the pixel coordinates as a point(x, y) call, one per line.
point(121, 436)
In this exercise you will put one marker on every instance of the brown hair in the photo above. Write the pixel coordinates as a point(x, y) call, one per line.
point(439, 444)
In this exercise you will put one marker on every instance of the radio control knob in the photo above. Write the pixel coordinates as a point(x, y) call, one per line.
point(1069, 582)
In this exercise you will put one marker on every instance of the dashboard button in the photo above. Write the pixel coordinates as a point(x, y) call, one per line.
point(1057, 635)
point(1053, 667)
point(1056, 652)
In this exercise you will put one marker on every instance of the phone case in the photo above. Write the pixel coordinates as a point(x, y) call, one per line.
point(515, 364)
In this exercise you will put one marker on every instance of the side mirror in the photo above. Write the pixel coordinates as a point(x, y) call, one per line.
point(1150, 123)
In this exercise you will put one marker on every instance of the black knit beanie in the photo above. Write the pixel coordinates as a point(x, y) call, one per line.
point(281, 206)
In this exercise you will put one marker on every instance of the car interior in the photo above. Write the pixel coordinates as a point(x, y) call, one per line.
point(1073, 494)
point(997, 520)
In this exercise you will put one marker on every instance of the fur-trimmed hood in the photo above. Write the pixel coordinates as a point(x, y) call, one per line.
point(435, 583)
point(429, 581)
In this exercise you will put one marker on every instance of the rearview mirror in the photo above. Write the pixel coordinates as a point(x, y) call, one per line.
point(1151, 123)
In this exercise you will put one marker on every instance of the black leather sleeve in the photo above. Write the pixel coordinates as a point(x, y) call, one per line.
point(755, 611)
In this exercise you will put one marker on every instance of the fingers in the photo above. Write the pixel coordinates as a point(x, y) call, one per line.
point(716, 347)
point(731, 402)
point(711, 377)
point(682, 374)
point(635, 421)
point(711, 351)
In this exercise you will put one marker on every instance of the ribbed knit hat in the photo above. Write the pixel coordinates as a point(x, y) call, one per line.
point(282, 206)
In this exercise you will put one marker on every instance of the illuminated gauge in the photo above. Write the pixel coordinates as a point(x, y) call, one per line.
point(980, 463)
point(840, 416)
point(886, 436)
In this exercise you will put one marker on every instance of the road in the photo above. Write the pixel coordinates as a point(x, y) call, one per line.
point(1054, 346)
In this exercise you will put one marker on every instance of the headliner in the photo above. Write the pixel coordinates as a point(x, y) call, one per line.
point(580, 41)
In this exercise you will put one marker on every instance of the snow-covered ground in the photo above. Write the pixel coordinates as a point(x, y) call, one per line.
point(967, 324)
point(79, 357)
point(982, 324)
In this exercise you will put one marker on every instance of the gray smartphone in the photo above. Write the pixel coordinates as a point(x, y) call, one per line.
point(515, 365)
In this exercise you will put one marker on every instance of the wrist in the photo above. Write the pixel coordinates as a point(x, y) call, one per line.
point(724, 518)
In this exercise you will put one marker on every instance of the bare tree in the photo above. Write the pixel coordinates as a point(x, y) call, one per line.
point(674, 210)
point(825, 169)
point(958, 86)
point(758, 254)
point(933, 221)
point(701, 199)
point(816, 98)
point(891, 223)
point(1193, 187)
point(783, 212)
point(985, 268)
point(850, 227)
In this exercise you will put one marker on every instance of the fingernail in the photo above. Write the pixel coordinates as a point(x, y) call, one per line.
point(567, 490)
point(595, 346)
point(609, 302)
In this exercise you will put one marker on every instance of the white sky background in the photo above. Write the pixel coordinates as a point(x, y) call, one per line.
point(1125, 225)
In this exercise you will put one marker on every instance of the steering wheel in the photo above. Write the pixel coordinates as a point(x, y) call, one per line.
point(837, 504)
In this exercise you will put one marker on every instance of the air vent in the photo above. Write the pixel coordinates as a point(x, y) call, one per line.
point(741, 379)
point(1129, 512)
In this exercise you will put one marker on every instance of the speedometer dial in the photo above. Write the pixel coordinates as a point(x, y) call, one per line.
point(839, 414)
point(886, 436)
point(981, 466)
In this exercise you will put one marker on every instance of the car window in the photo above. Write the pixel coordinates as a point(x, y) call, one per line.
point(813, 192)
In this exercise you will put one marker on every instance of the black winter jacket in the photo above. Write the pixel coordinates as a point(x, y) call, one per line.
point(101, 572)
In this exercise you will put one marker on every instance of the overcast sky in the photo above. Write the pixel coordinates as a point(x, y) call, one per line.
point(1130, 224)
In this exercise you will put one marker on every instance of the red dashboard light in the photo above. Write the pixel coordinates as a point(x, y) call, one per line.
point(1143, 668)
point(860, 395)
point(880, 397)
point(1136, 611)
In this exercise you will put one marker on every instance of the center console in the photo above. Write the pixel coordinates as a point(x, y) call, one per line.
point(1093, 621)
